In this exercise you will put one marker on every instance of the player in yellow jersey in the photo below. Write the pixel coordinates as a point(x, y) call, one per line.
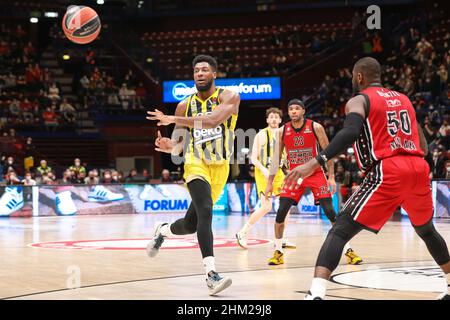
point(204, 132)
point(262, 152)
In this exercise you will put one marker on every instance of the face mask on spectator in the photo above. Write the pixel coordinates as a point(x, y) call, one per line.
point(107, 176)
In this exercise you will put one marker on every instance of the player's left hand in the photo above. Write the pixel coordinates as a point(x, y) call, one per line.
point(332, 185)
point(302, 171)
point(163, 120)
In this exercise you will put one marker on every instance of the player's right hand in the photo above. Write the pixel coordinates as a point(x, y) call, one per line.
point(163, 144)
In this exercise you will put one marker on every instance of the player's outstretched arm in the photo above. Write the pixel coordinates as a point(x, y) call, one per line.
point(353, 123)
point(228, 106)
point(174, 145)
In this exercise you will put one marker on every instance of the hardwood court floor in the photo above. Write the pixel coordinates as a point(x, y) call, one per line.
point(396, 262)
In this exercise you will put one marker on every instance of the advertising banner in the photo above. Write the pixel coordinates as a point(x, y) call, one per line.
point(248, 88)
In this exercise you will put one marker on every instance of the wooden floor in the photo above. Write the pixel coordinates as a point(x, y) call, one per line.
point(46, 257)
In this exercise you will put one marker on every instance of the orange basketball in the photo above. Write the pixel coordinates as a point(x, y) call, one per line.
point(81, 24)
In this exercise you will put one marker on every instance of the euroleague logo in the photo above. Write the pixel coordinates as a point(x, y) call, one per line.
point(140, 244)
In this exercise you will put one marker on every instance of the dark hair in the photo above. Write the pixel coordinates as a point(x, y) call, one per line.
point(205, 58)
point(296, 101)
point(274, 110)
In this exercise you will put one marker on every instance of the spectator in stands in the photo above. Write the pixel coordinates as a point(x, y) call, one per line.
point(43, 168)
point(12, 178)
point(437, 164)
point(50, 119)
point(53, 92)
point(92, 178)
point(68, 111)
point(165, 176)
point(77, 168)
point(80, 178)
point(9, 165)
point(28, 180)
point(67, 178)
point(107, 177)
point(133, 176)
point(141, 95)
point(115, 178)
point(145, 174)
point(447, 170)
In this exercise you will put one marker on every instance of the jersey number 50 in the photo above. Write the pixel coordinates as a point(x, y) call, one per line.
point(402, 122)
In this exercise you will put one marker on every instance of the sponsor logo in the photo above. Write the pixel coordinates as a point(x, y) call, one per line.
point(392, 103)
point(309, 208)
point(426, 278)
point(166, 205)
point(181, 91)
point(140, 244)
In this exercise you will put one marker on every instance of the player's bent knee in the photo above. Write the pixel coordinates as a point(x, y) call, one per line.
point(425, 230)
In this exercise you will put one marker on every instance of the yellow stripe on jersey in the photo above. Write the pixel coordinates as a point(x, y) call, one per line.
point(210, 145)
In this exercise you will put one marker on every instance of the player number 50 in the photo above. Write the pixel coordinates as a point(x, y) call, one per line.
point(401, 122)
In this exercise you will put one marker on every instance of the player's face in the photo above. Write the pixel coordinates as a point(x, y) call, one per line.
point(274, 120)
point(203, 76)
point(296, 112)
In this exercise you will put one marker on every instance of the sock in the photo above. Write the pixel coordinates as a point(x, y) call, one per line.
point(319, 287)
point(279, 245)
point(246, 227)
point(448, 283)
point(209, 264)
point(165, 231)
point(346, 247)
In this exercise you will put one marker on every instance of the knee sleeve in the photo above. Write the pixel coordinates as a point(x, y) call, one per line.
point(327, 206)
point(341, 233)
point(285, 205)
point(435, 243)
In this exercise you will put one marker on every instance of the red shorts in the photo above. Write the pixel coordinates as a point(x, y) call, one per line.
point(393, 182)
point(318, 184)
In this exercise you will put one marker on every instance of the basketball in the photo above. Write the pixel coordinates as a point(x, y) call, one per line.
point(81, 24)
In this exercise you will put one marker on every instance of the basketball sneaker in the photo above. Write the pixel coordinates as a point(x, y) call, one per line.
point(145, 194)
point(101, 194)
point(309, 296)
point(158, 239)
point(64, 204)
point(11, 201)
point(444, 296)
point(216, 283)
point(288, 245)
point(277, 259)
point(242, 238)
point(352, 257)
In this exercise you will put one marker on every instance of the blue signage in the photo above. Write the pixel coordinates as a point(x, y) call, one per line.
point(248, 88)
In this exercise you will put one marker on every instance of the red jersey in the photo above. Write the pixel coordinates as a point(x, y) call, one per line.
point(301, 144)
point(389, 130)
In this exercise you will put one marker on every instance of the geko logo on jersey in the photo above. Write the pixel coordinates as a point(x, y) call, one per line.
point(249, 88)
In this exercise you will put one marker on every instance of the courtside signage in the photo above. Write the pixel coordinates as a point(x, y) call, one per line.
point(249, 88)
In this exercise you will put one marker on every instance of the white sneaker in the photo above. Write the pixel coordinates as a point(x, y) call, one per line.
point(64, 204)
point(216, 283)
point(242, 238)
point(145, 194)
point(11, 201)
point(101, 194)
point(309, 296)
point(288, 245)
point(157, 240)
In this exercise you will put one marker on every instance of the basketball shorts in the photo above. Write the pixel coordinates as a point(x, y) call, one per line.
point(393, 182)
point(318, 184)
point(261, 182)
point(214, 174)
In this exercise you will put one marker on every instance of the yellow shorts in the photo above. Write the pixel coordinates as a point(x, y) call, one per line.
point(261, 182)
point(215, 174)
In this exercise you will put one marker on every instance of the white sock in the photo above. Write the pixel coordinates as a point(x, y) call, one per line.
point(346, 247)
point(279, 245)
point(448, 283)
point(165, 231)
point(246, 227)
point(319, 287)
point(209, 264)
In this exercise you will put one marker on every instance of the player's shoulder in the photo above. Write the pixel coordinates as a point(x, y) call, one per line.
point(229, 94)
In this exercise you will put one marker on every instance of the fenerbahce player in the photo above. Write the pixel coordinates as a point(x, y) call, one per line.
point(390, 147)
